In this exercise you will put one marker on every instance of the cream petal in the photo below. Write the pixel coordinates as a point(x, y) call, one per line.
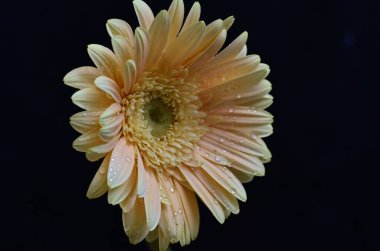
point(85, 121)
point(105, 61)
point(206, 151)
point(122, 162)
point(144, 14)
point(142, 50)
point(109, 131)
point(141, 177)
point(109, 114)
point(193, 16)
point(212, 32)
point(231, 51)
point(238, 142)
point(97, 152)
point(190, 209)
point(98, 185)
point(243, 52)
point(183, 47)
point(152, 236)
point(117, 27)
point(128, 203)
point(228, 22)
point(87, 140)
point(238, 160)
point(176, 13)
point(252, 96)
point(118, 194)
point(152, 200)
point(91, 99)
point(163, 241)
point(159, 35)
point(226, 179)
point(210, 52)
point(123, 48)
point(207, 198)
point(134, 223)
point(130, 73)
point(232, 88)
point(224, 196)
point(109, 86)
point(218, 74)
point(167, 224)
point(242, 176)
point(82, 77)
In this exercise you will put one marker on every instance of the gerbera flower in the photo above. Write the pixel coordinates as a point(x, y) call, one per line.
point(174, 116)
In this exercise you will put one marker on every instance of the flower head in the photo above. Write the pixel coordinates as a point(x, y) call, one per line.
point(174, 116)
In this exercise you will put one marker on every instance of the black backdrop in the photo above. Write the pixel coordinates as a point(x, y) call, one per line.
point(321, 189)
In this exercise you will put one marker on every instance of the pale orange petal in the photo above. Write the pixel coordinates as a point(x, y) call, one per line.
point(98, 185)
point(118, 194)
point(109, 131)
point(85, 121)
point(97, 152)
point(117, 27)
point(82, 77)
point(109, 86)
point(123, 48)
point(159, 35)
point(91, 99)
point(144, 14)
point(105, 61)
point(203, 194)
point(152, 200)
point(87, 140)
point(134, 223)
point(130, 75)
point(142, 50)
point(193, 16)
point(109, 114)
point(141, 178)
point(176, 13)
point(122, 162)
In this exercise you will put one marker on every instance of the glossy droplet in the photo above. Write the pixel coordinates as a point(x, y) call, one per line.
point(206, 154)
point(238, 96)
point(128, 160)
point(171, 189)
point(218, 158)
point(241, 140)
point(180, 210)
point(216, 201)
point(231, 110)
point(221, 140)
point(114, 173)
point(102, 171)
point(232, 190)
point(111, 180)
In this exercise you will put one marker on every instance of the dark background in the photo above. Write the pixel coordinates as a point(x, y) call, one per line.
point(321, 190)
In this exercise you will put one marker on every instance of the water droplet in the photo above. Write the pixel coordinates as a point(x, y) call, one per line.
point(171, 189)
point(111, 180)
point(128, 160)
point(112, 159)
point(175, 213)
point(206, 154)
point(147, 220)
point(253, 136)
point(221, 140)
point(180, 210)
point(216, 201)
point(231, 110)
point(198, 147)
point(232, 190)
point(241, 140)
point(114, 173)
point(102, 171)
point(238, 96)
point(224, 169)
point(218, 158)
point(229, 164)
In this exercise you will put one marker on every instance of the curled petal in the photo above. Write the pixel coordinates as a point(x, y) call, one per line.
point(144, 14)
point(109, 114)
point(82, 77)
point(91, 99)
point(87, 140)
point(109, 86)
point(117, 27)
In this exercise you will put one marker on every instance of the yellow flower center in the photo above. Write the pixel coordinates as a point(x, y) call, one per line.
point(162, 118)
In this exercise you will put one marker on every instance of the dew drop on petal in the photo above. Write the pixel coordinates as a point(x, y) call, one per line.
point(241, 140)
point(102, 171)
point(232, 190)
point(171, 189)
point(180, 211)
point(206, 154)
point(218, 158)
point(238, 96)
point(221, 140)
point(231, 110)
